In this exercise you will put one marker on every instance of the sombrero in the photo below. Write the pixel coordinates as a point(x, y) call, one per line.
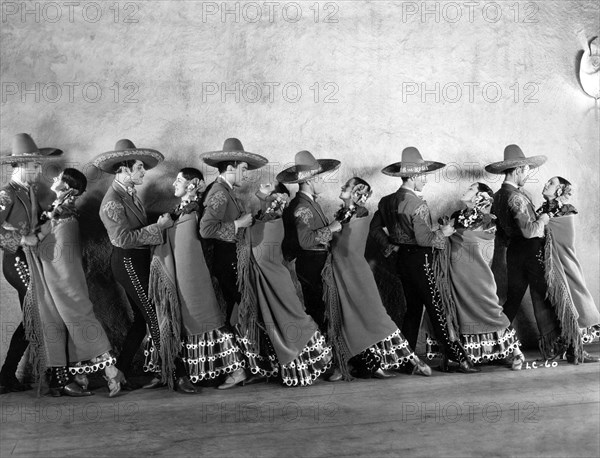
point(234, 151)
point(514, 157)
point(305, 168)
point(125, 150)
point(412, 164)
point(24, 149)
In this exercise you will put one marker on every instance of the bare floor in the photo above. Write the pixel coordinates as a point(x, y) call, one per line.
point(543, 411)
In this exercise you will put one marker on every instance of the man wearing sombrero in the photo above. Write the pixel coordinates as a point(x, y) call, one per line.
point(307, 229)
point(19, 211)
point(223, 217)
point(123, 214)
point(522, 232)
point(408, 221)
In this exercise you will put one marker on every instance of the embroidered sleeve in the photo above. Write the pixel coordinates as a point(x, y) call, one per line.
point(525, 217)
point(424, 234)
point(5, 202)
point(120, 232)
point(303, 214)
point(323, 235)
point(10, 236)
point(214, 224)
point(115, 211)
point(309, 235)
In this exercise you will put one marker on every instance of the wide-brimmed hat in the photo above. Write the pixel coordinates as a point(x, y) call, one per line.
point(24, 149)
point(125, 150)
point(412, 164)
point(305, 168)
point(514, 157)
point(233, 150)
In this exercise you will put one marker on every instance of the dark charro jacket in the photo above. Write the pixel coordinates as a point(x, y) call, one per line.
point(16, 218)
point(516, 216)
point(407, 219)
point(306, 227)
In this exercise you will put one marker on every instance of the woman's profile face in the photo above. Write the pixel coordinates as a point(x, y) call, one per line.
point(346, 192)
point(470, 193)
point(550, 187)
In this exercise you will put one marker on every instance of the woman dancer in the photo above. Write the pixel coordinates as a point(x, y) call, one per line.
point(359, 327)
point(562, 269)
point(191, 322)
point(483, 329)
point(60, 320)
point(269, 299)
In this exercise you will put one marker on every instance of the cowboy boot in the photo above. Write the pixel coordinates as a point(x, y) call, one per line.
point(60, 385)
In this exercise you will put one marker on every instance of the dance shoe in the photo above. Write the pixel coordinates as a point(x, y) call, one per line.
point(586, 358)
point(381, 374)
point(81, 380)
point(466, 367)
point(517, 362)
point(238, 376)
point(156, 382)
point(72, 389)
point(335, 376)
point(116, 381)
point(12, 384)
point(184, 385)
point(421, 369)
point(253, 379)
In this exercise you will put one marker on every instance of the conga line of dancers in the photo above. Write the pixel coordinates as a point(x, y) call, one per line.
point(285, 294)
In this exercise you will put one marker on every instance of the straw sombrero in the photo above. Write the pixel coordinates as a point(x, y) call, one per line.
point(306, 167)
point(233, 151)
point(412, 164)
point(514, 157)
point(125, 150)
point(24, 149)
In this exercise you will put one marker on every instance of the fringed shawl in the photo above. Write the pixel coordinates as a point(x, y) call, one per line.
point(182, 290)
point(472, 282)
point(269, 300)
point(559, 254)
point(355, 313)
point(441, 277)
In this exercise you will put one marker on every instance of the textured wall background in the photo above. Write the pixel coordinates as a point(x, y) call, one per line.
point(357, 81)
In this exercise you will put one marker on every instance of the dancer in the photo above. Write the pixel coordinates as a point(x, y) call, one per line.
point(563, 272)
point(60, 323)
point(307, 229)
point(192, 324)
point(269, 299)
point(124, 217)
point(359, 327)
point(522, 231)
point(483, 328)
point(407, 218)
point(19, 211)
point(223, 217)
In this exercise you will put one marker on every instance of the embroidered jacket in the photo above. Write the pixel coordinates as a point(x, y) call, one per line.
point(305, 227)
point(15, 216)
point(408, 221)
point(221, 209)
point(515, 213)
point(125, 220)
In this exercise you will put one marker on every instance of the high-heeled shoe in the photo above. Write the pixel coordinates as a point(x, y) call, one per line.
point(466, 367)
point(114, 379)
point(517, 362)
point(236, 377)
point(335, 376)
point(81, 380)
point(421, 369)
point(383, 374)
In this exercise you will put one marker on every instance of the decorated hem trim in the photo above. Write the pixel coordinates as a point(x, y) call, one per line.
point(87, 367)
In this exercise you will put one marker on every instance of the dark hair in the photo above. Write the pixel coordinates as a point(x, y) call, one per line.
point(222, 166)
point(189, 173)
point(405, 179)
point(75, 179)
point(482, 187)
point(280, 188)
point(127, 164)
point(563, 181)
point(356, 180)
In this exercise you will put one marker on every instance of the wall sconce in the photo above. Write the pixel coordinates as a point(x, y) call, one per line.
point(589, 68)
